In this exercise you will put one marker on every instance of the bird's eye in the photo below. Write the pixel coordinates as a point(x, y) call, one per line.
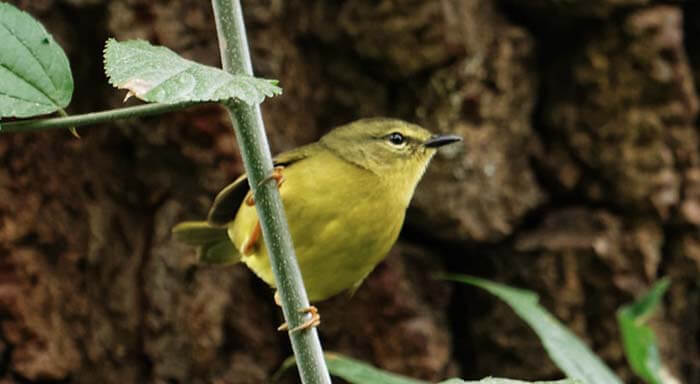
point(396, 138)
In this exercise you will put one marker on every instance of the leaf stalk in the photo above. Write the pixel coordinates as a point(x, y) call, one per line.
point(35, 125)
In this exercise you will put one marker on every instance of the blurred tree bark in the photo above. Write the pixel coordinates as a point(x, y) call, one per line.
point(579, 178)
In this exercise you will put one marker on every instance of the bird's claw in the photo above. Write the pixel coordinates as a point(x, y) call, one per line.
point(314, 321)
point(275, 175)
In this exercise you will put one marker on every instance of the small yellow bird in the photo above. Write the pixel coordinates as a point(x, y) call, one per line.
point(345, 197)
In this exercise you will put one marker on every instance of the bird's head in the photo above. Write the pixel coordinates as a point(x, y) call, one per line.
point(395, 150)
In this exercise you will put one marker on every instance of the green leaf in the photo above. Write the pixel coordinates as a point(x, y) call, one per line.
point(639, 340)
point(494, 380)
point(354, 371)
point(35, 75)
point(157, 74)
point(358, 372)
point(566, 350)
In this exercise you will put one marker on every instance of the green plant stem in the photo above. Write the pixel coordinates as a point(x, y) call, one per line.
point(255, 151)
point(90, 118)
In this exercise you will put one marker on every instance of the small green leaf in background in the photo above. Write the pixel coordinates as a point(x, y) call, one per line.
point(157, 74)
point(358, 372)
point(638, 339)
point(35, 77)
point(567, 351)
point(494, 380)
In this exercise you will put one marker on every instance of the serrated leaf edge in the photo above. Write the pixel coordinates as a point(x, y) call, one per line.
point(264, 87)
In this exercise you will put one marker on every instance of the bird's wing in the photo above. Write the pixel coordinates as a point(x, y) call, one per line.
point(227, 202)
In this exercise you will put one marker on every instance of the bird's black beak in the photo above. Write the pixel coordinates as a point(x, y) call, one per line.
point(440, 140)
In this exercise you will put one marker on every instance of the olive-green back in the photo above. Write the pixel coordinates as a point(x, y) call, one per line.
point(227, 202)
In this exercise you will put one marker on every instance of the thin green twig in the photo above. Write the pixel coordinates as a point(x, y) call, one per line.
point(255, 151)
point(35, 125)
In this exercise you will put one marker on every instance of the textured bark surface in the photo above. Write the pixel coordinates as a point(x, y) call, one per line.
point(579, 178)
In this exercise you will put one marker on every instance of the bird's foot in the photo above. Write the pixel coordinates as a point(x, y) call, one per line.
point(314, 321)
point(275, 175)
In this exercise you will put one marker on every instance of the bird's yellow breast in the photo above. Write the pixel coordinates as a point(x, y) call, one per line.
point(342, 219)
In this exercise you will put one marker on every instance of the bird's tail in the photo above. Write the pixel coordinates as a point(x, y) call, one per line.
point(213, 244)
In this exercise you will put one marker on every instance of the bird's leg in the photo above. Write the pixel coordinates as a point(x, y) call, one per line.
point(314, 321)
point(252, 239)
point(276, 175)
point(250, 201)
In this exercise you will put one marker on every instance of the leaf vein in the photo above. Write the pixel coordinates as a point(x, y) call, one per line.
point(31, 53)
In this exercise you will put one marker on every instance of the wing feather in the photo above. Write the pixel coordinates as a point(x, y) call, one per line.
point(227, 202)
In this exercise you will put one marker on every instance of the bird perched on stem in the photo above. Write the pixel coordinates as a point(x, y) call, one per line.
point(345, 197)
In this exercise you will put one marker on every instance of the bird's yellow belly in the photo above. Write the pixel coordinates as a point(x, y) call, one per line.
point(339, 234)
